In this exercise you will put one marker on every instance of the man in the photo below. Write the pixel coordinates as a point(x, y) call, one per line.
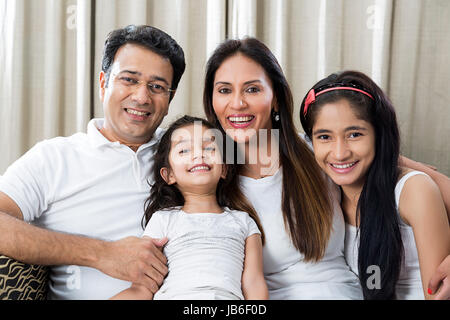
point(84, 195)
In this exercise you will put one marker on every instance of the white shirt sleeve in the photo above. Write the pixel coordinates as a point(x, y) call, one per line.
point(156, 227)
point(251, 226)
point(28, 181)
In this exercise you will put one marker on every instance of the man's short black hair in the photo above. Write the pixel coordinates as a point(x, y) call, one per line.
point(152, 38)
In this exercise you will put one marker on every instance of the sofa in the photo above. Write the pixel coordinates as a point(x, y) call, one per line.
point(21, 281)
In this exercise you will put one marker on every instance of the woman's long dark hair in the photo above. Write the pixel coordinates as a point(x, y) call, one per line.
point(165, 197)
point(380, 239)
point(305, 202)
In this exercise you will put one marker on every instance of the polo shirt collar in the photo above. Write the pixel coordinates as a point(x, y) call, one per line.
point(98, 140)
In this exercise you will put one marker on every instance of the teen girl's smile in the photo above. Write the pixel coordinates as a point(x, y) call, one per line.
point(344, 145)
point(343, 167)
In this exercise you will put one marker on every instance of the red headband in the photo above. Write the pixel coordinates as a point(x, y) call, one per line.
point(311, 97)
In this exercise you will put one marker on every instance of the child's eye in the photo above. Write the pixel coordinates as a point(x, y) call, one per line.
point(209, 149)
point(183, 151)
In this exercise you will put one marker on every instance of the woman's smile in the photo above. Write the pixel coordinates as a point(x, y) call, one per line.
point(239, 121)
point(244, 100)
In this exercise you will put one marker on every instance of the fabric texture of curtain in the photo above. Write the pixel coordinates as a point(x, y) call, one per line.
point(50, 58)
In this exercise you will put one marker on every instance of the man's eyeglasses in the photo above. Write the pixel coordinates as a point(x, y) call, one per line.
point(133, 83)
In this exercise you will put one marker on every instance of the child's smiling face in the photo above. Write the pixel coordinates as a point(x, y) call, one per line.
point(195, 160)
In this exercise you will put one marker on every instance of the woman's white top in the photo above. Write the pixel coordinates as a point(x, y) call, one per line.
point(409, 284)
point(288, 276)
point(205, 253)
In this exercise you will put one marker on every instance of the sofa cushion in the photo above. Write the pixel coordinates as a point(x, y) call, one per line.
point(20, 281)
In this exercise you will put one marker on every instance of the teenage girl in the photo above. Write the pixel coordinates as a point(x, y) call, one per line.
point(397, 231)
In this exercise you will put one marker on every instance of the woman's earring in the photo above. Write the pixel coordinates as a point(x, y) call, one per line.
point(276, 116)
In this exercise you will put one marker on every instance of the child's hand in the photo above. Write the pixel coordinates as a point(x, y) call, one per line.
point(139, 260)
point(160, 243)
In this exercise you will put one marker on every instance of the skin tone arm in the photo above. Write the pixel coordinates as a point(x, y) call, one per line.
point(442, 275)
point(440, 179)
point(135, 292)
point(421, 207)
point(138, 260)
point(254, 286)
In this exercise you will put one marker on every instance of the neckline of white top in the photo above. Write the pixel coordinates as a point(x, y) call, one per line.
point(225, 211)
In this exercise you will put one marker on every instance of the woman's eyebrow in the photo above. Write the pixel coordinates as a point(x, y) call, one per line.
point(252, 81)
point(245, 83)
point(221, 82)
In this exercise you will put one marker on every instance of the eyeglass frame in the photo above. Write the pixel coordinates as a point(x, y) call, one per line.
point(150, 86)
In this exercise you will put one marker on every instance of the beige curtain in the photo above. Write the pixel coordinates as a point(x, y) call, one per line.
point(50, 58)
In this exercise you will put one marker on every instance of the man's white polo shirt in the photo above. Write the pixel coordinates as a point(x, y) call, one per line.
point(86, 185)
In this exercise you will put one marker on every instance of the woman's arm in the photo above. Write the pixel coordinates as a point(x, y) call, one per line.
point(421, 206)
point(254, 286)
point(440, 179)
point(441, 277)
point(135, 292)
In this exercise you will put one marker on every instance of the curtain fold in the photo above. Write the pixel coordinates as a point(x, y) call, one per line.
point(84, 70)
point(50, 52)
point(420, 78)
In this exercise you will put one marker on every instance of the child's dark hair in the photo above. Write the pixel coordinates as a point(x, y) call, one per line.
point(165, 197)
point(380, 238)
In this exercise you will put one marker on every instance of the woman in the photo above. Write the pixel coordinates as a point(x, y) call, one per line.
point(247, 96)
point(396, 218)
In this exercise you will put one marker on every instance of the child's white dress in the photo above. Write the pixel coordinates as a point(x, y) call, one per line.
point(205, 253)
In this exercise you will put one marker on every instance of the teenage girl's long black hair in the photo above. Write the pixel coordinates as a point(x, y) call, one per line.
point(380, 240)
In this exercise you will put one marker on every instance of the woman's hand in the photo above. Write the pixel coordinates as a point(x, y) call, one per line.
point(441, 277)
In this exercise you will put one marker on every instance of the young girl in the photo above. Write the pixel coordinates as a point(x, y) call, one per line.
point(397, 231)
point(213, 251)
